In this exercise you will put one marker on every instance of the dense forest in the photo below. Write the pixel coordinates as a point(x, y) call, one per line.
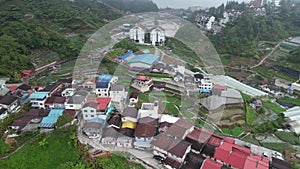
point(240, 37)
point(27, 25)
point(134, 6)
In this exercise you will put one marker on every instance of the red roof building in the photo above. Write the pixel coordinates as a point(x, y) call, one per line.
point(232, 154)
point(237, 158)
point(256, 162)
point(219, 87)
point(210, 164)
point(215, 140)
point(102, 103)
point(12, 88)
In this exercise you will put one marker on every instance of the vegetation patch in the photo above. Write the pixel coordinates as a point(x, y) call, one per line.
point(295, 101)
point(274, 107)
point(116, 53)
point(46, 152)
point(288, 137)
point(281, 147)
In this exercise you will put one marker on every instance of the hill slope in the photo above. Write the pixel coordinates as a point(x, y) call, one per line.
point(134, 6)
point(29, 25)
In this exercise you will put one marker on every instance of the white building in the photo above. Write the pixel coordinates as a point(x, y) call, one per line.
point(96, 109)
point(142, 83)
point(125, 142)
point(149, 110)
point(137, 34)
point(68, 92)
point(103, 85)
point(296, 86)
point(3, 113)
point(225, 18)
point(76, 101)
point(38, 99)
point(157, 36)
point(118, 96)
point(133, 99)
point(210, 22)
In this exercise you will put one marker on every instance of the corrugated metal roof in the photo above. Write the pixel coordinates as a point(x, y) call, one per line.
point(144, 58)
point(38, 95)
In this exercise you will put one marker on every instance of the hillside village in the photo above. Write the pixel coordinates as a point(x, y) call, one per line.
point(111, 115)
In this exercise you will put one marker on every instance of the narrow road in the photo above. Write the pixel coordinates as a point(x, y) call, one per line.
point(19, 148)
point(266, 56)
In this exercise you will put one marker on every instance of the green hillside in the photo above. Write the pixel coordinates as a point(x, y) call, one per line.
point(134, 6)
point(56, 26)
point(240, 37)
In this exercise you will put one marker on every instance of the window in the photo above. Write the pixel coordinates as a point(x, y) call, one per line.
point(86, 115)
point(92, 111)
point(85, 111)
point(41, 104)
point(71, 105)
point(92, 115)
point(105, 94)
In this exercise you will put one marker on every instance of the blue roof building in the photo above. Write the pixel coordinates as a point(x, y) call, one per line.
point(105, 78)
point(102, 84)
point(39, 95)
point(144, 61)
point(50, 120)
point(126, 55)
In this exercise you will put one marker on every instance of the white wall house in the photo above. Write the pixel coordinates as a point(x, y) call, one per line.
point(210, 22)
point(118, 96)
point(157, 36)
point(124, 141)
point(68, 92)
point(296, 86)
point(38, 99)
point(9, 102)
point(205, 85)
point(94, 110)
point(103, 85)
point(137, 34)
point(3, 113)
point(149, 110)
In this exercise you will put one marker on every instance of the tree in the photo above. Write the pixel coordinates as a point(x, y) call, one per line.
point(64, 119)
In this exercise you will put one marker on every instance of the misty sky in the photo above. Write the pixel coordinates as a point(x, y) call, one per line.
point(188, 3)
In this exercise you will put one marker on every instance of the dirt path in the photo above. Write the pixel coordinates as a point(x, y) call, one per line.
point(266, 56)
point(19, 148)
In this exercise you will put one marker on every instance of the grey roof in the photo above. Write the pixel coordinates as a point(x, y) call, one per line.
point(76, 99)
point(90, 125)
point(24, 87)
point(110, 132)
point(82, 93)
point(130, 112)
point(232, 94)
point(4, 91)
point(115, 87)
point(214, 102)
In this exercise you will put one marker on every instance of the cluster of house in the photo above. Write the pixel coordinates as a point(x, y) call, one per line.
point(208, 22)
point(181, 145)
point(137, 34)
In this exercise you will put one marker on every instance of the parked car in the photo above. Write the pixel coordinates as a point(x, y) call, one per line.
point(159, 158)
point(96, 152)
